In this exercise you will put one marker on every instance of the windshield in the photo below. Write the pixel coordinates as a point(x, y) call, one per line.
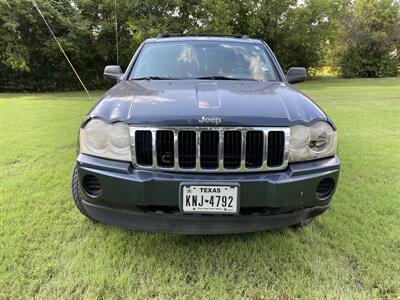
point(203, 60)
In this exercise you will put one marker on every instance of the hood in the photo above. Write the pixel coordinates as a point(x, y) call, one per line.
point(205, 103)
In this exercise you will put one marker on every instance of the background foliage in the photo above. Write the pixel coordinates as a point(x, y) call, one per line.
point(362, 37)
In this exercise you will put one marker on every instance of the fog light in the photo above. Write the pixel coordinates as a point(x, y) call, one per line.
point(325, 188)
point(91, 185)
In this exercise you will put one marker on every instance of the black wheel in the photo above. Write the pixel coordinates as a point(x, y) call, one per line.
point(76, 194)
point(303, 223)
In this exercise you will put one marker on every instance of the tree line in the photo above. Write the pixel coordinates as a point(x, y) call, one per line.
point(359, 37)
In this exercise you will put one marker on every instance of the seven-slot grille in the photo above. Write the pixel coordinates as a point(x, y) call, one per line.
point(210, 149)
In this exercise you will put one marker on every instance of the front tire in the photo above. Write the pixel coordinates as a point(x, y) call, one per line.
point(77, 194)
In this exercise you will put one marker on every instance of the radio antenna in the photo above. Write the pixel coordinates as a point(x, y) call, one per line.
point(61, 48)
point(116, 27)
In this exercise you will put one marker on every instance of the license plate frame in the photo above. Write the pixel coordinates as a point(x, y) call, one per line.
point(209, 184)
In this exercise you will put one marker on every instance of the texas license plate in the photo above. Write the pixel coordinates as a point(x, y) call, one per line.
point(222, 199)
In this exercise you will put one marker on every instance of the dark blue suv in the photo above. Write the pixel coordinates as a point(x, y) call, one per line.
point(205, 135)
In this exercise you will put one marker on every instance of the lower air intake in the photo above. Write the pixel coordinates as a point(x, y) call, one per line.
point(325, 188)
point(91, 185)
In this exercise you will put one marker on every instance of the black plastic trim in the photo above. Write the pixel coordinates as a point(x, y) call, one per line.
point(198, 224)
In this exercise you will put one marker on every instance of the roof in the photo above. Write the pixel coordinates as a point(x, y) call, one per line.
point(203, 38)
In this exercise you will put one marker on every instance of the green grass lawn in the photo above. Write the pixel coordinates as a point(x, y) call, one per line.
point(49, 250)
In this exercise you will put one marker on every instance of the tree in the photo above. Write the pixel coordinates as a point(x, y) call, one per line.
point(370, 39)
point(306, 32)
point(366, 33)
point(297, 33)
point(31, 60)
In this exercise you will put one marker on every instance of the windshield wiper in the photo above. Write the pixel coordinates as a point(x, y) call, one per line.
point(222, 78)
point(154, 78)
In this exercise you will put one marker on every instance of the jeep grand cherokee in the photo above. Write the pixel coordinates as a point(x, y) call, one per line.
point(205, 135)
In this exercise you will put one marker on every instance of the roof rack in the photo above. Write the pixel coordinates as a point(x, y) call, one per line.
point(237, 35)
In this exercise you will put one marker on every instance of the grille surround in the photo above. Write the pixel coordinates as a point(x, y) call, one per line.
point(221, 130)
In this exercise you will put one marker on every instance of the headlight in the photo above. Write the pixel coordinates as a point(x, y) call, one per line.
point(101, 139)
point(308, 143)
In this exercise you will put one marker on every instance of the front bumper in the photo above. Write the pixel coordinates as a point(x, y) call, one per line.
point(149, 200)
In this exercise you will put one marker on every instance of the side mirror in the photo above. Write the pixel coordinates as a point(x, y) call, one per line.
point(113, 72)
point(296, 74)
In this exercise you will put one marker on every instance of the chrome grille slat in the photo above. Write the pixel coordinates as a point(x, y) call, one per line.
point(221, 151)
point(176, 157)
point(243, 148)
point(265, 149)
point(198, 150)
point(215, 149)
point(154, 151)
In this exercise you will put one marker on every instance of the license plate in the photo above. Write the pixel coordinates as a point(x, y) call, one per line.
point(222, 199)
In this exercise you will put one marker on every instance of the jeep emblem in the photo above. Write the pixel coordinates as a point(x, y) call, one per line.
point(210, 120)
